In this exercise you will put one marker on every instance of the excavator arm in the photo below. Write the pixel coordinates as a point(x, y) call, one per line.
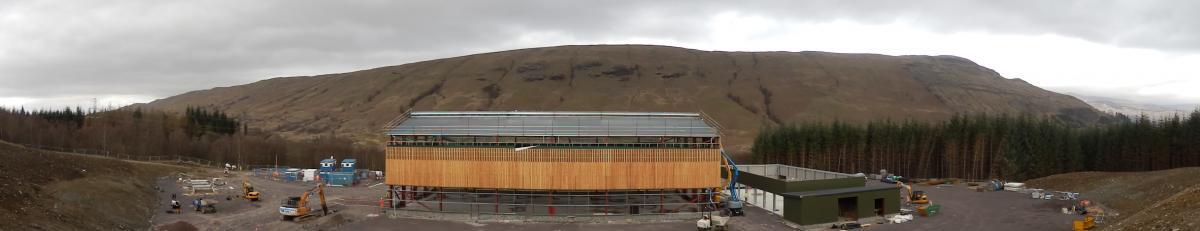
point(301, 209)
point(321, 194)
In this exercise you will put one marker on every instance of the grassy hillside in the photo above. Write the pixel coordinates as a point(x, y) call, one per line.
point(55, 191)
point(744, 91)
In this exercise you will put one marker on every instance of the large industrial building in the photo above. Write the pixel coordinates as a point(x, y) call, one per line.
point(546, 164)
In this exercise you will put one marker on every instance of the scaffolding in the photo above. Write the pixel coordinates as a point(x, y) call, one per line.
point(549, 203)
point(554, 129)
point(553, 124)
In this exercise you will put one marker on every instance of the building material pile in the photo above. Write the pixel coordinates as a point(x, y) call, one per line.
point(1014, 186)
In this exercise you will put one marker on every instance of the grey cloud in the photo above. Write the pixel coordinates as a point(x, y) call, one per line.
point(161, 48)
point(164, 48)
point(1161, 25)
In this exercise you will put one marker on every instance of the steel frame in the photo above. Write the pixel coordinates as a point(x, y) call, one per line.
point(548, 203)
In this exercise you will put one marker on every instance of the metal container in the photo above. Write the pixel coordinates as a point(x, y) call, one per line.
point(341, 179)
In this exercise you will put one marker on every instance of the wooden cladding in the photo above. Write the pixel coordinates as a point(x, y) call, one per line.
point(554, 168)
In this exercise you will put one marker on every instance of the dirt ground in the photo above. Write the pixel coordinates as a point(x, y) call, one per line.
point(966, 209)
point(42, 190)
point(347, 204)
point(57, 191)
point(356, 208)
point(1157, 200)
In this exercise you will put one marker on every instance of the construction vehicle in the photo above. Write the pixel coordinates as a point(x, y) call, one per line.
point(915, 197)
point(734, 203)
point(205, 206)
point(248, 191)
point(891, 179)
point(919, 200)
point(1087, 223)
point(296, 208)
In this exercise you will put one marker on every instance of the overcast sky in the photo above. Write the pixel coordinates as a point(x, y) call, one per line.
point(63, 53)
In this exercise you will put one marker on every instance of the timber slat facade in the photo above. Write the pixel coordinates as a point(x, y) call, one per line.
point(554, 168)
point(573, 151)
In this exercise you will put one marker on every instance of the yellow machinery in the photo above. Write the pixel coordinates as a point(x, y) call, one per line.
point(248, 191)
point(1087, 223)
point(296, 208)
point(917, 197)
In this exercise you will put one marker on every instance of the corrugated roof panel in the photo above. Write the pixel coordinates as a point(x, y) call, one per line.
point(837, 191)
point(555, 124)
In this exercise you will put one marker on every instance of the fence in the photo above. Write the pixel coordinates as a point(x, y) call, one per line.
point(790, 173)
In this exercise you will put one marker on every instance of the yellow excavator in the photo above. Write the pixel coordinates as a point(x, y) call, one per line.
point(1087, 223)
point(915, 197)
point(248, 191)
point(296, 208)
point(920, 200)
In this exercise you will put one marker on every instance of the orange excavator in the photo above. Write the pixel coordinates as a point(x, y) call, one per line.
point(296, 208)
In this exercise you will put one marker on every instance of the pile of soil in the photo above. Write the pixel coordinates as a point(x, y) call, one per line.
point(58, 191)
point(1157, 200)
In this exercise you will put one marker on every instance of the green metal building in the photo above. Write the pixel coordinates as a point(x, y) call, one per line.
point(809, 197)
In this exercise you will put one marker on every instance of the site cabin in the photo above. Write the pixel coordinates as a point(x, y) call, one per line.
point(327, 166)
point(541, 154)
point(812, 197)
point(348, 165)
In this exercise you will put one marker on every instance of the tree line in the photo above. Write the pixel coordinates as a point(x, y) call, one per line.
point(985, 146)
point(75, 117)
point(197, 132)
point(202, 120)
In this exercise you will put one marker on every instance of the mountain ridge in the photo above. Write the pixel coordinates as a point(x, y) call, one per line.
point(743, 91)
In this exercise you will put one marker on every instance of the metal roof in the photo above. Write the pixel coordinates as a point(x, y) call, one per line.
point(491, 123)
point(837, 191)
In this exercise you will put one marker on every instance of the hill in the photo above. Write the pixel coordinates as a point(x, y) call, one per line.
point(1156, 200)
point(744, 91)
point(57, 191)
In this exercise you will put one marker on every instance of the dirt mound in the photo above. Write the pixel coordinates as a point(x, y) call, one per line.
point(742, 90)
point(1158, 200)
point(55, 191)
point(177, 226)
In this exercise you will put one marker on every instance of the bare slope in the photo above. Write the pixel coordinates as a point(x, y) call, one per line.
point(54, 191)
point(743, 90)
point(1157, 200)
